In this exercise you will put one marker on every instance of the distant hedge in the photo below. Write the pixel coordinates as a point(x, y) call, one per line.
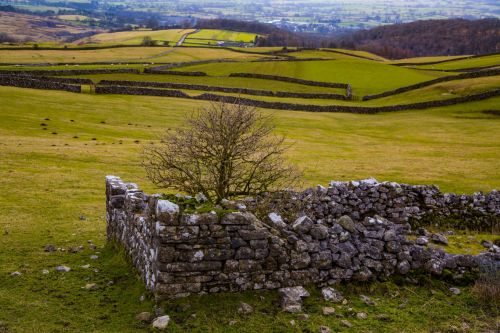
point(223, 89)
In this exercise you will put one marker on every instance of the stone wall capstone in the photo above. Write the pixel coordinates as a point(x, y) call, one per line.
point(179, 253)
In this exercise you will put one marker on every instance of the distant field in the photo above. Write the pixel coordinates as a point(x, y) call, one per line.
point(486, 61)
point(72, 17)
point(425, 59)
point(135, 37)
point(362, 54)
point(38, 29)
point(366, 77)
point(124, 54)
point(72, 56)
point(224, 35)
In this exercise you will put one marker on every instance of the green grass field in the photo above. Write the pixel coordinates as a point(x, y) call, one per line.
point(50, 180)
point(56, 148)
point(486, 61)
point(223, 35)
point(365, 76)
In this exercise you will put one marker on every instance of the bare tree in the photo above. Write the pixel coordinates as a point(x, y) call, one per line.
point(225, 150)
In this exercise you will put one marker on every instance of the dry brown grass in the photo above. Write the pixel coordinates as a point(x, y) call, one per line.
point(487, 288)
point(36, 28)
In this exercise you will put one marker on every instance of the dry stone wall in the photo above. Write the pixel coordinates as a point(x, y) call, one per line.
point(37, 83)
point(179, 253)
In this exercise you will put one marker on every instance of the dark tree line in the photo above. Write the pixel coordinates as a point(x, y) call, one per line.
point(421, 38)
point(429, 38)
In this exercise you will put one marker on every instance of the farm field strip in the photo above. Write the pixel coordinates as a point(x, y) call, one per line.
point(223, 35)
point(122, 54)
point(460, 64)
point(135, 37)
point(366, 77)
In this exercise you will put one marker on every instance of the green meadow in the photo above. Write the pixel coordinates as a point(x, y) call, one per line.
point(56, 148)
point(49, 178)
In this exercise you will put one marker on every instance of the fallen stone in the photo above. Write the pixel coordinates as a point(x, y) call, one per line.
point(232, 322)
point(45, 271)
point(346, 323)
point(291, 298)
point(91, 286)
point(361, 315)
point(455, 291)
point(332, 295)
point(302, 225)
point(63, 268)
point(292, 322)
point(319, 231)
point(144, 317)
point(367, 300)
point(328, 311)
point(85, 266)
point(347, 223)
point(324, 329)
point(494, 249)
point(439, 239)
point(423, 232)
point(16, 273)
point(383, 317)
point(422, 240)
point(94, 257)
point(277, 220)
point(50, 248)
point(161, 323)
point(245, 308)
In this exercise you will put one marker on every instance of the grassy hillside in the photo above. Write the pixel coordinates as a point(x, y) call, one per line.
point(56, 148)
point(50, 180)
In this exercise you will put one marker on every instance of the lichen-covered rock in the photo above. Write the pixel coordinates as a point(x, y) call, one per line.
point(302, 225)
point(291, 298)
point(332, 295)
point(347, 223)
point(439, 239)
point(161, 323)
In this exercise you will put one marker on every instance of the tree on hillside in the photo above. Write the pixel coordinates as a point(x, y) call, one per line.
point(147, 41)
point(223, 151)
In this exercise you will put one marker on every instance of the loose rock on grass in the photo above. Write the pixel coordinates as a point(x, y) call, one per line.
point(332, 295)
point(161, 323)
point(144, 317)
point(245, 308)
